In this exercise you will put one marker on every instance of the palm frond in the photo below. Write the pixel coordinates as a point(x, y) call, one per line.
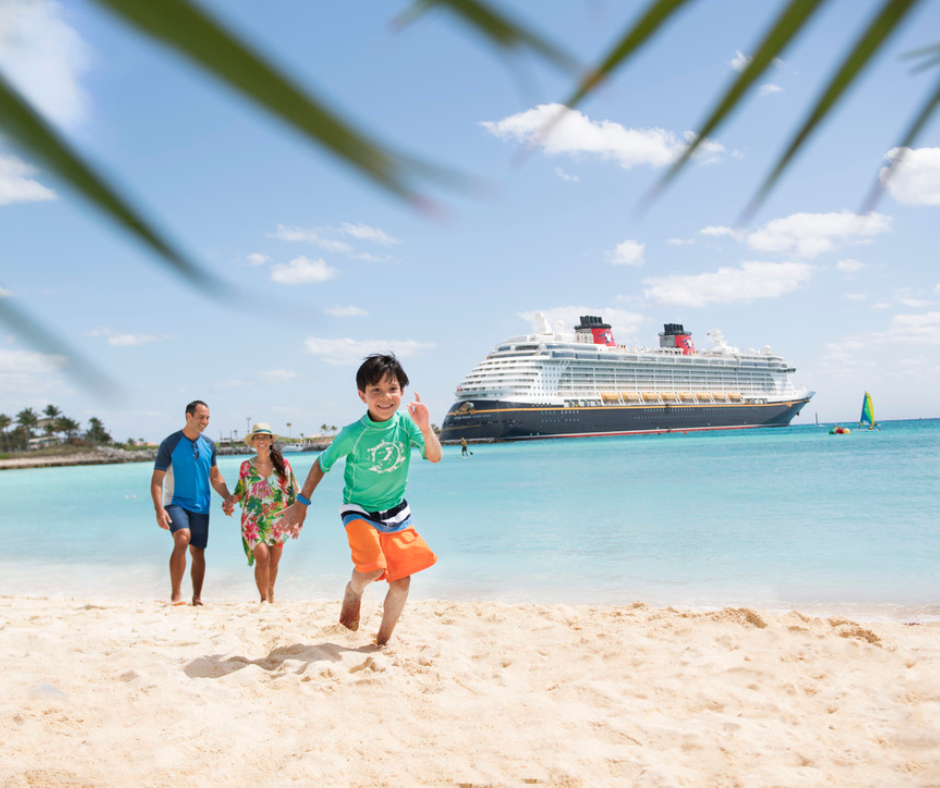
point(184, 27)
point(860, 56)
point(910, 136)
point(498, 28)
point(657, 14)
point(780, 34)
point(638, 34)
point(929, 57)
point(42, 339)
point(33, 134)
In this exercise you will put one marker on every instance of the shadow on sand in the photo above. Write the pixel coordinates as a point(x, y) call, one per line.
point(216, 666)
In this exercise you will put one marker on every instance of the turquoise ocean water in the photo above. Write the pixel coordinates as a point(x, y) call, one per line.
point(774, 519)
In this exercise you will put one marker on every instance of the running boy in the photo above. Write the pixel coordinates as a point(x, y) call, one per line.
point(375, 513)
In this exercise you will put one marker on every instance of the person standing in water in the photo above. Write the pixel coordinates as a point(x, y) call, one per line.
point(266, 486)
point(184, 475)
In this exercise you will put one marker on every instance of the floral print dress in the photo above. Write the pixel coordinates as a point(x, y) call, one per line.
point(263, 501)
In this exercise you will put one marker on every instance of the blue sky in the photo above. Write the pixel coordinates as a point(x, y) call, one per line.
point(331, 268)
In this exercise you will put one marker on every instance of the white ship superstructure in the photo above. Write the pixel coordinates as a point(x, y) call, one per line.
point(586, 369)
point(557, 369)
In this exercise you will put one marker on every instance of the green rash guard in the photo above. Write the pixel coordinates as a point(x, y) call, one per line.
point(378, 454)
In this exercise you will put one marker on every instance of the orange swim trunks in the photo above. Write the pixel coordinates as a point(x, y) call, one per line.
point(400, 553)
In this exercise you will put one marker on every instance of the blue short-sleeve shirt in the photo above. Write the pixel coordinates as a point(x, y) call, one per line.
point(187, 464)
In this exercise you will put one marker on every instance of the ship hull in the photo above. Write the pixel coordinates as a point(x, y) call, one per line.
point(493, 420)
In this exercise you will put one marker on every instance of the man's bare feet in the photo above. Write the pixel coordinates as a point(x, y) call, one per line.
point(177, 602)
point(270, 596)
point(349, 615)
point(197, 601)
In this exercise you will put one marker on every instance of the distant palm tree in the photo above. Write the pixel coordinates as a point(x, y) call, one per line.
point(5, 421)
point(68, 426)
point(27, 419)
point(96, 432)
point(51, 412)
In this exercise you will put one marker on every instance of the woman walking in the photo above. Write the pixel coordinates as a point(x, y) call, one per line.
point(266, 486)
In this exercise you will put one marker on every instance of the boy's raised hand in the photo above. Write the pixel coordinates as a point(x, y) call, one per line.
point(419, 413)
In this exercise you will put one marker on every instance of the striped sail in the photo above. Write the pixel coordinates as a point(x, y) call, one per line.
point(868, 412)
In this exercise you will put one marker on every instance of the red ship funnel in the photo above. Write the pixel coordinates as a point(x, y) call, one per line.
point(598, 330)
point(674, 335)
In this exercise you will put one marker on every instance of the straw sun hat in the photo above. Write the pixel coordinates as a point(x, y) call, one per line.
point(263, 428)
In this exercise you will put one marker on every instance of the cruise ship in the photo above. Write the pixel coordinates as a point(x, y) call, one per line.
point(555, 384)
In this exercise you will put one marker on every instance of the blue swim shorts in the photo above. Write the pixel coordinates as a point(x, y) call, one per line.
point(197, 525)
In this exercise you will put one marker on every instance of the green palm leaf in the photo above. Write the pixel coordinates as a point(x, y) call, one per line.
point(913, 131)
point(182, 26)
point(861, 55)
point(45, 341)
point(497, 27)
point(34, 135)
point(780, 34)
point(656, 15)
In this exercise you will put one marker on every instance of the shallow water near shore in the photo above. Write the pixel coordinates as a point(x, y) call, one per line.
point(772, 519)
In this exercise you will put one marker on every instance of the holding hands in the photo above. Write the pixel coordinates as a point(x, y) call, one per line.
point(292, 521)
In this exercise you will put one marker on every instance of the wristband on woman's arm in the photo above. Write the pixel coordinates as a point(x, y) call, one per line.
point(302, 499)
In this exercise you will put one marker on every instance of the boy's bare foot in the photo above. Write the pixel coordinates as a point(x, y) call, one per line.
point(270, 596)
point(196, 601)
point(349, 615)
point(177, 602)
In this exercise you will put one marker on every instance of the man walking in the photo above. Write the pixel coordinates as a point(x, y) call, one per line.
point(184, 470)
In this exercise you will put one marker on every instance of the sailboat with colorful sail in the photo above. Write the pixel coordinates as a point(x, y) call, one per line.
point(868, 413)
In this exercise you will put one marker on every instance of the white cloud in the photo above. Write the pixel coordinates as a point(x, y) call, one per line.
point(729, 285)
point(277, 376)
point(311, 236)
point(740, 61)
point(44, 57)
point(365, 233)
point(124, 339)
point(26, 371)
point(708, 151)
point(914, 303)
point(627, 253)
point(916, 179)
point(342, 352)
point(812, 234)
point(302, 270)
point(680, 241)
point(904, 331)
point(17, 186)
point(850, 266)
point(256, 258)
point(565, 176)
point(326, 238)
point(855, 297)
point(573, 133)
point(717, 232)
point(346, 311)
point(4, 293)
point(769, 88)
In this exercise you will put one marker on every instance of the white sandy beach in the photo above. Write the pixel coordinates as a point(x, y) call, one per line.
point(467, 694)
